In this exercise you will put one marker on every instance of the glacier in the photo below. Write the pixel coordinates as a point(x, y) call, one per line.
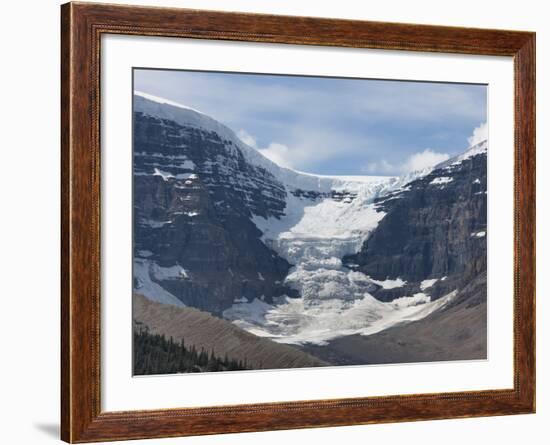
point(334, 300)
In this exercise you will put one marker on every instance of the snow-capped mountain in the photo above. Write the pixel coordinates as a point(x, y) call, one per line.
point(288, 255)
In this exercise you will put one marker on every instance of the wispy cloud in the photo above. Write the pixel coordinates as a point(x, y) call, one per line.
point(329, 126)
point(309, 150)
point(415, 162)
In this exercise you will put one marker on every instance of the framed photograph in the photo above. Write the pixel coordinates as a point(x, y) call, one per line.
point(274, 222)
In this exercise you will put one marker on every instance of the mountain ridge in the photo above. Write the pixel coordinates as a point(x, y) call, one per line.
point(144, 103)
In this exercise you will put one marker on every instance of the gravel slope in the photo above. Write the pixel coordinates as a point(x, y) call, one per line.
point(211, 333)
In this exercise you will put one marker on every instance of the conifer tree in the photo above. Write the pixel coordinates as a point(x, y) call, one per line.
point(154, 354)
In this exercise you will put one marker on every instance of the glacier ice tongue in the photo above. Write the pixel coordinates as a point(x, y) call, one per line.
point(297, 321)
point(334, 300)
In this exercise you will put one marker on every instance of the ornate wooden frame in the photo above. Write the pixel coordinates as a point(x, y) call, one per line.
point(82, 25)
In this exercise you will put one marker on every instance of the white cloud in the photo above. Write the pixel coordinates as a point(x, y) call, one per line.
point(278, 153)
point(417, 161)
point(480, 134)
point(247, 138)
point(422, 160)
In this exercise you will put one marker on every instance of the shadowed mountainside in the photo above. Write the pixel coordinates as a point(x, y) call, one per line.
point(434, 228)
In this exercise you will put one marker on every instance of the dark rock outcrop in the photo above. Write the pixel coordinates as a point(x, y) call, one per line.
point(194, 195)
point(434, 228)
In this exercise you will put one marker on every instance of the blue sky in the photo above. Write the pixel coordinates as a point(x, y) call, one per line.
point(333, 126)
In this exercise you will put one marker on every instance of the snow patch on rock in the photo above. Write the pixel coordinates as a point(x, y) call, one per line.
point(426, 284)
point(144, 272)
point(478, 234)
point(390, 284)
point(441, 180)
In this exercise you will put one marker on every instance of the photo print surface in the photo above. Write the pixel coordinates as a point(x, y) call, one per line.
point(285, 221)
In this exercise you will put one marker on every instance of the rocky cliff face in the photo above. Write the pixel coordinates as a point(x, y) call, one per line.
point(194, 195)
point(434, 228)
